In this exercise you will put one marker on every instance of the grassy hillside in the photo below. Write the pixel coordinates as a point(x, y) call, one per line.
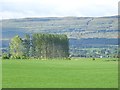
point(75, 73)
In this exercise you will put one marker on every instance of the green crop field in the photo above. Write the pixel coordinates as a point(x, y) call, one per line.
point(75, 73)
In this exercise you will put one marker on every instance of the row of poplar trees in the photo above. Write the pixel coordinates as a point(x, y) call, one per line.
point(39, 46)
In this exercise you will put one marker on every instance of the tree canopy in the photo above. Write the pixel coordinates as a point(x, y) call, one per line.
point(40, 46)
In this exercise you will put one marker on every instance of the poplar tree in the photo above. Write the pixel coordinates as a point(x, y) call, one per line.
point(26, 44)
point(16, 47)
point(40, 46)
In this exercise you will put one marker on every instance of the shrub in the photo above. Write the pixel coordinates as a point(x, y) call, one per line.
point(5, 56)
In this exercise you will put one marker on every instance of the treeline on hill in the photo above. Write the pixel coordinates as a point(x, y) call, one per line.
point(38, 46)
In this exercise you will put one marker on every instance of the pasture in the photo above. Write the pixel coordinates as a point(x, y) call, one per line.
point(75, 73)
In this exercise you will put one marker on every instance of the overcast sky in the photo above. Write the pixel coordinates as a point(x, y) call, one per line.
point(57, 8)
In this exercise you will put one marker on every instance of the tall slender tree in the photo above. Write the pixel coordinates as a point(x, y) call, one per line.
point(16, 47)
point(40, 46)
point(26, 44)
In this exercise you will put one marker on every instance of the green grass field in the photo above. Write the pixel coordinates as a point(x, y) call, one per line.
point(75, 73)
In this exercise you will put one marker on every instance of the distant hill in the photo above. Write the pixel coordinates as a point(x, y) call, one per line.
point(74, 27)
point(81, 31)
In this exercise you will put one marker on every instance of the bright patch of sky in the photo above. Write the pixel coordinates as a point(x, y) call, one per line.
point(57, 8)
